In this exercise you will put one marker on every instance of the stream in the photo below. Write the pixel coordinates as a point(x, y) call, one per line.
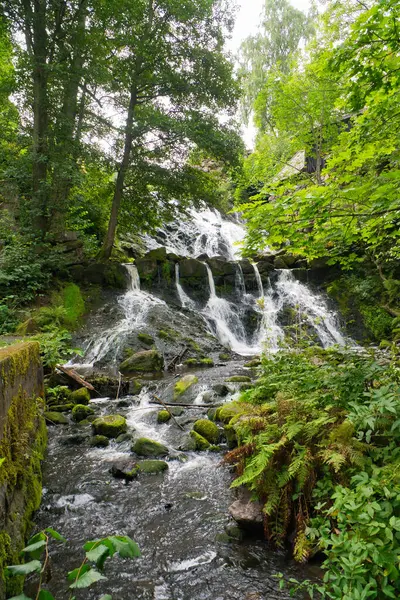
point(180, 517)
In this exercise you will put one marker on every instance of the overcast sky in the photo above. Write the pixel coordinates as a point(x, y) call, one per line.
point(247, 21)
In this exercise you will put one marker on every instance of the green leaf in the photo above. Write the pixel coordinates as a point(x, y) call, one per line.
point(125, 547)
point(45, 595)
point(35, 546)
point(34, 566)
point(106, 597)
point(87, 579)
point(72, 575)
point(97, 552)
point(54, 534)
point(20, 597)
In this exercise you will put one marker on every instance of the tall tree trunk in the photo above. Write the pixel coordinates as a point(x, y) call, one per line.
point(119, 186)
point(40, 114)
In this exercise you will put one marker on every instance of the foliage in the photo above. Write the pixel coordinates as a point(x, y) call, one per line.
point(318, 445)
point(55, 347)
point(38, 561)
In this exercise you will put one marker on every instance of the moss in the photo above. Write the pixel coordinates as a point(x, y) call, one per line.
point(207, 429)
point(74, 305)
point(146, 447)
point(377, 321)
point(55, 418)
point(231, 436)
point(226, 412)
point(184, 384)
point(168, 334)
point(202, 362)
point(194, 345)
point(200, 442)
point(81, 396)
point(256, 362)
point(163, 416)
point(151, 467)
point(60, 394)
point(81, 412)
point(99, 441)
point(17, 360)
point(61, 407)
point(224, 356)
point(110, 426)
point(146, 339)
point(147, 361)
point(239, 379)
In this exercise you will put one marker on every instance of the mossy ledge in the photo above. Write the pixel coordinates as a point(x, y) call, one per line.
point(23, 438)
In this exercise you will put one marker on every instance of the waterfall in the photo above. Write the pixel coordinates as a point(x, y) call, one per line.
point(259, 281)
point(183, 297)
point(239, 281)
point(133, 277)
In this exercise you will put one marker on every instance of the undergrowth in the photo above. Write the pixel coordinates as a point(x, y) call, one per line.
point(318, 444)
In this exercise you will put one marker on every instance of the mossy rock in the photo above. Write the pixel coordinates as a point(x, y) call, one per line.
point(124, 437)
point(243, 387)
point(168, 334)
point(221, 389)
point(207, 429)
point(199, 362)
point(61, 394)
point(200, 443)
point(211, 413)
point(146, 339)
point(81, 412)
point(239, 379)
point(252, 364)
point(99, 441)
point(55, 418)
point(146, 447)
point(184, 384)
point(224, 356)
point(163, 416)
point(226, 412)
point(158, 254)
point(231, 436)
point(111, 426)
point(147, 361)
point(63, 408)
point(81, 396)
point(135, 387)
point(151, 467)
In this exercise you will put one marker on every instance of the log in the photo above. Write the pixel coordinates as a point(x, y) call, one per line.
point(77, 378)
point(177, 358)
point(185, 405)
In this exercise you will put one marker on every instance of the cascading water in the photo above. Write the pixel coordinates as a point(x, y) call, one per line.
point(183, 297)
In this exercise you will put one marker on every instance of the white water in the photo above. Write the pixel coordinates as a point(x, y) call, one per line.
point(259, 281)
point(183, 297)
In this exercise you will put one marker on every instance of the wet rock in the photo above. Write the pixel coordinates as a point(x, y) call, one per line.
point(146, 447)
point(163, 416)
point(199, 362)
point(207, 429)
point(124, 437)
point(146, 339)
point(158, 254)
point(200, 442)
point(126, 469)
point(99, 441)
point(184, 384)
point(73, 440)
point(62, 407)
point(81, 412)
point(226, 412)
point(124, 403)
point(211, 413)
point(234, 532)
point(81, 396)
point(107, 386)
point(239, 379)
point(55, 418)
point(243, 387)
point(111, 426)
point(224, 356)
point(246, 513)
point(230, 436)
point(256, 362)
point(147, 361)
point(221, 390)
point(280, 263)
point(151, 467)
point(110, 274)
point(135, 386)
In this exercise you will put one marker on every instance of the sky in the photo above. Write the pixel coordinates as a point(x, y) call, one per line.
point(247, 21)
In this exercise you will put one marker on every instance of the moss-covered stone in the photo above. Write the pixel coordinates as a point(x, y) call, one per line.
point(99, 441)
point(146, 447)
point(199, 362)
point(81, 412)
point(221, 389)
point(252, 364)
point(239, 379)
point(231, 436)
point(55, 418)
point(211, 413)
point(207, 429)
point(151, 467)
point(243, 387)
point(58, 395)
point(224, 356)
point(147, 361)
point(61, 407)
point(145, 338)
point(124, 437)
point(81, 396)
point(226, 412)
point(200, 443)
point(110, 425)
point(163, 416)
point(135, 387)
point(184, 384)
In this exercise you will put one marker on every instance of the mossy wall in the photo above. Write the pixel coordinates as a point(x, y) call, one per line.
point(22, 445)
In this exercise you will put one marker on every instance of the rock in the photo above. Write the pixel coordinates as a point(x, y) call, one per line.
point(147, 361)
point(73, 440)
point(146, 447)
point(184, 384)
point(239, 379)
point(125, 469)
point(158, 254)
point(135, 387)
point(81, 396)
point(279, 263)
point(200, 443)
point(58, 395)
point(55, 418)
point(199, 362)
point(62, 407)
point(224, 356)
point(207, 429)
point(124, 437)
point(163, 416)
point(28, 327)
point(108, 386)
point(256, 362)
point(234, 532)
point(246, 513)
point(227, 411)
point(190, 267)
point(243, 387)
point(99, 441)
point(221, 390)
point(231, 437)
point(145, 338)
point(111, 426)
point(151, 467)
point(81, 412)
point(211, 413)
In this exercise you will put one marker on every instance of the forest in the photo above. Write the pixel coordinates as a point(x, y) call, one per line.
point(120, 120)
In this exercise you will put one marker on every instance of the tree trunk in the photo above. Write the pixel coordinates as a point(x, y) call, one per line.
point(119, 186)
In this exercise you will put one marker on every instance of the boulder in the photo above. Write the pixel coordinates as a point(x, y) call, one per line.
point(126, 469)
point(221, 390)
point(207, 429)
point(146, 447)
point(55, 418)
point(135, 387)
point(147, 361)
point(151, 467)
point(163, 416)
point(239, 379)
point(81, 412)
point(226, 412)
point(200, 442)
point(190, 267)
point(256, 362)
point(184, 384)
point(230, 436)
point(61, 407)
point(158, 254)
point(145, 338)
point(246, 513)
point(99, 441)
point(81, 396)
point(111, 426)
point(199, 362)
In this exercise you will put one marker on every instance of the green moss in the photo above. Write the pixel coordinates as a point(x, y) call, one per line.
point(74, 305)
point(184, 384)
point(16, 360)
point(55, 418)
point(207, 429)
point(81, 412)
point(110, 426)
point(256, 362)
point(200, 442)
point(377, 321)
point(239, 379)
point(202, 362)
point(168, 334)
point(81, 396)
point(152, 467)
point(226, 412)
point(194, 345)
point(146, 447)
point(99, 441)
point(163, 416)
point(146, 339)
point(147, 361)
point(224, 356)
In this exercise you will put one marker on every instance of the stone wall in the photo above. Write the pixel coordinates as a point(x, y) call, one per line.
point(22, 444)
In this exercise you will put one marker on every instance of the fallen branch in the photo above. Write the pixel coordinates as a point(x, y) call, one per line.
point(186, 405)
point(159, 401)
point(77, 378)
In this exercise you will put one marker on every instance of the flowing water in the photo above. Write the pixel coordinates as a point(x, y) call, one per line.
point(178, 517)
